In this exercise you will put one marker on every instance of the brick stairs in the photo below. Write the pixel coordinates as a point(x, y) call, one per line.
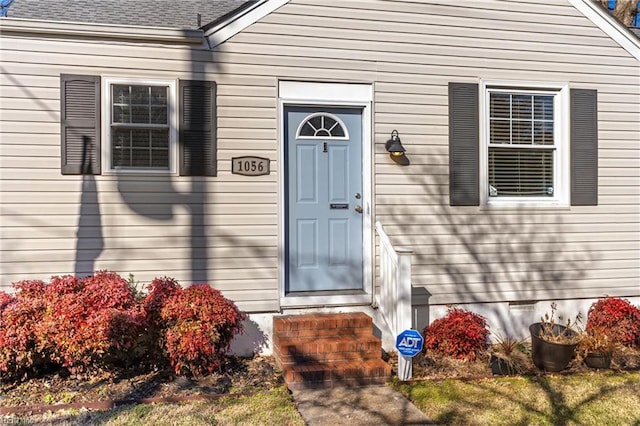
point(328, 350)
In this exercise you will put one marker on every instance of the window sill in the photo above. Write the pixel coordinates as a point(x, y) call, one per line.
point(139, 172)
point(524, 205)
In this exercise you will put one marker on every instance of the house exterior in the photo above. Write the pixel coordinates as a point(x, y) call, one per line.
point(249, 150)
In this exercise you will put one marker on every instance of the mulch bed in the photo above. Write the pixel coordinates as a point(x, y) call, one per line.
point(59, 391)
point(431, 366)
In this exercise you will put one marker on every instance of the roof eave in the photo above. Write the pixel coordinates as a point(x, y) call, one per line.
point(82, 29)
point(225, 28)
point(610, 25)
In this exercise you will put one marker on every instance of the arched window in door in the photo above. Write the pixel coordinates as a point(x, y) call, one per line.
point(322, 125)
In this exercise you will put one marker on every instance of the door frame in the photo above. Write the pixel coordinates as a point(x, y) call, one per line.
point(327, 95)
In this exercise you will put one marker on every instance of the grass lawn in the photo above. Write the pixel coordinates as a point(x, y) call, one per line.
point(577, 398)
point(268, 407)
point(595, 398)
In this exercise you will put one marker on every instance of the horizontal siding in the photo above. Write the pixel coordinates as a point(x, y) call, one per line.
point(259, 185)
point(257, 268)
point(44, 240)
point(532, 290)
point(414, 63)
point(437, 25)
point(17, 209)
point(116, 198)
point(219, 230)
point(116, 220)
point(160, 253)
point(207, 231)
point(418, 188)
point(225, 229)
point(477, 283)
point(458, 252)
point(363, 46)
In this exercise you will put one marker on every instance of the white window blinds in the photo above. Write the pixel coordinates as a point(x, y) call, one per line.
point(521, 144)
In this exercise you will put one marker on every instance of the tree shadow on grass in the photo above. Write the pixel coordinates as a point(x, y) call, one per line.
point(560, 410)
point(375, 405)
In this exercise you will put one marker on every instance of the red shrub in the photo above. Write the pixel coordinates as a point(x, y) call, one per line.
point(58, 286)
point(460, 334)
point(160, 290)
point(616, 318)
point(5, 299)
point(19, 315)
point(90, 323)
point(98, 322)
point(199, 324)
point(29, 289)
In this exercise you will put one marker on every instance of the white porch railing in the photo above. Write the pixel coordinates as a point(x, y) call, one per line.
point(394, 297)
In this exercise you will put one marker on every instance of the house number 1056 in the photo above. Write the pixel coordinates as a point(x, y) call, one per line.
point(250, 166)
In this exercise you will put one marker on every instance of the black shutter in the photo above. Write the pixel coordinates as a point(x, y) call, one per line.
point(584, 147)
point(198, 128)
point(80, 124)
point(464, 148)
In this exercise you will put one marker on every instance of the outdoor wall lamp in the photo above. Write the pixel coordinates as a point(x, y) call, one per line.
point(394, 146)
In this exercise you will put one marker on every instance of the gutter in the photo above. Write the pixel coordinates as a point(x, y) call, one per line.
point(120, 32)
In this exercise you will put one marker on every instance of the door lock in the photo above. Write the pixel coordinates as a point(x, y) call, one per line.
point(358, 196)
point(358, 208)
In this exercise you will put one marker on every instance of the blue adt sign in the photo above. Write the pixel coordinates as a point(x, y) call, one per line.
point(409, 343)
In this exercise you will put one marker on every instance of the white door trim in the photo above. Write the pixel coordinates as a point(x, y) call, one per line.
point(329, 95)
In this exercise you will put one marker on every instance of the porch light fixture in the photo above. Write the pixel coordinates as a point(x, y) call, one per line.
point(394, 146)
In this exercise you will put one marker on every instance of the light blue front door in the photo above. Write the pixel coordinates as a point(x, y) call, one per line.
point(323, 153)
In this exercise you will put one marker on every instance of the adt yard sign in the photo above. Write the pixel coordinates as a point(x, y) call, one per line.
point(409, 343)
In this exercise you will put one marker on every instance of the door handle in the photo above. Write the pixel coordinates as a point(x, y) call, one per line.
point(358, 208)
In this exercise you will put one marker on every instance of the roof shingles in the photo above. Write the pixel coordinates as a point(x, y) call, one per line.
point(144, 13)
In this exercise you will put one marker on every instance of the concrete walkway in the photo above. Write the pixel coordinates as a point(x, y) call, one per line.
point(368, 405)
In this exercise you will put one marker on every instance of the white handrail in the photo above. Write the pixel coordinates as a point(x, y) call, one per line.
point(394, 297)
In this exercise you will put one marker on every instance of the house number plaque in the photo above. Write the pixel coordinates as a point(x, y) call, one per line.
point(250, 166)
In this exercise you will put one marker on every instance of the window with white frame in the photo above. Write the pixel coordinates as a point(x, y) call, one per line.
point(141, 126)
point(524, 145)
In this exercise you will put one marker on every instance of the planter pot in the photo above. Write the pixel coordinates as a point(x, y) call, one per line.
point(500, 366)
point(598, 360)
point(550, 356)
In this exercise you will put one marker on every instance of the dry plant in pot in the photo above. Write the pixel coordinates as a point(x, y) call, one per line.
point(553, 345)
point(596, 349)
point(508, 356)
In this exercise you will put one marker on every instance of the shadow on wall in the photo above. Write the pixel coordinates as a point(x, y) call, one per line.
point(157, 197)
point(89, 238)
point(251, 342)
point(493, 255)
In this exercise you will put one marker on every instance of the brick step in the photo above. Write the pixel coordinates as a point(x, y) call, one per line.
point(318, 325)
point(323, 332)
point(314, 375)
point(326, 349)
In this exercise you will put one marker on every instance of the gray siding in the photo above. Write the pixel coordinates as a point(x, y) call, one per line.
point(410, 51)
point(128, 224)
